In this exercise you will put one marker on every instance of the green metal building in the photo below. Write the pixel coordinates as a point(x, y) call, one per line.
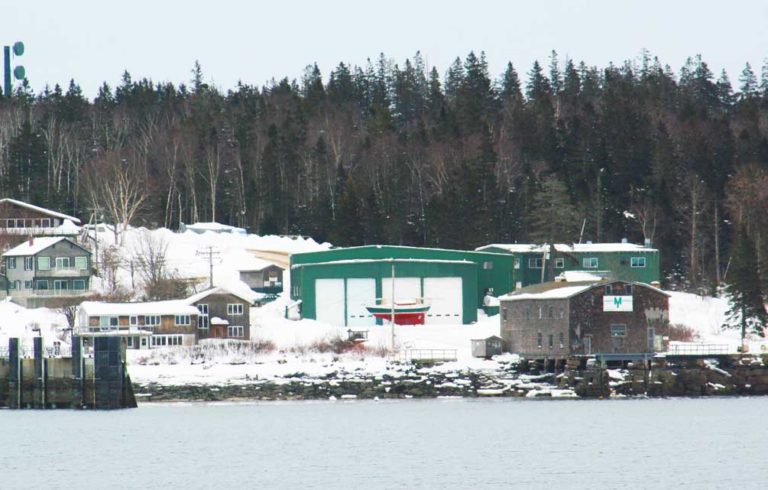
point(618, 261)
point(335, 285)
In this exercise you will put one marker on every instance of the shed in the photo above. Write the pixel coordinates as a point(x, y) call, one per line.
point(487, 347)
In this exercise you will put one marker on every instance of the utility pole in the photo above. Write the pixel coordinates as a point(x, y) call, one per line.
point(210, 252)
point(18, 71)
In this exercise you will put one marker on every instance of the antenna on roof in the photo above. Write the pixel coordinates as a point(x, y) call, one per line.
point(583, 225)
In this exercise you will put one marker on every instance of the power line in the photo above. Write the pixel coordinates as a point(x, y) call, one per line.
point(210, 252)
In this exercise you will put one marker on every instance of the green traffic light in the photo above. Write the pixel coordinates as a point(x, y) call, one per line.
point(18, 48)
point(19, 73)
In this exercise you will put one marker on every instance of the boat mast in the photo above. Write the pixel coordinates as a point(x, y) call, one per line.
point(392, 308)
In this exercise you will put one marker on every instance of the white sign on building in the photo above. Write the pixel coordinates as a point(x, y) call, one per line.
point(617, 303)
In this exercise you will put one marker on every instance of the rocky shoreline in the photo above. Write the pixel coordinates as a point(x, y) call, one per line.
point(730, 377)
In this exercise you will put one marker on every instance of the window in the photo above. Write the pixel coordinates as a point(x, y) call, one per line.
point(539, 339)
point(561, 337)
point(46, 222)
point(550, 341)
point(19, 223)
point(81, 263)
point(551, 312)
point(235, 309)
point(27, 284)
point(183, 320)
point(60, 285)
point(11, 223)
point(535, 263)
point(151, 320)
point(608, 290)
point(589, 262)
point(527, 312)
point(129, 342)
point(540, 313)
point(504, 313)
point(28, 263)
point(517, 263)
point(559, 263)
point(11, 262)
point(62, 262)
point(618, 330)
point(562, 313)
point(43, 263)
point(637, 262)
point(78, 284)
point(108, 323)
point(133, 321)
point(163, 340)
point(42, 284)
point(487, 265)
point(235, 331)
point(202, 322)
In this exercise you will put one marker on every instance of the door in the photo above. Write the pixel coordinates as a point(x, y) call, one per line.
point(445, 297)
point(360, 292)
point(406, 288)
point(588, 345)
point(329, 301)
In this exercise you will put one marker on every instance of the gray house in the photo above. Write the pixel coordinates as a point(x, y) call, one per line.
point(224, 314)
point(44, 268)
point(263, 277)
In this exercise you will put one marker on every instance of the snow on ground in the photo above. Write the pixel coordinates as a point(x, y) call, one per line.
point(17, 321)
point(185, 252)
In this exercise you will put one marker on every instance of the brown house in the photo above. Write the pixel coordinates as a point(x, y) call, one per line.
point(21, 218)
point(143, 325)
point(224, 314)
point(560, 319)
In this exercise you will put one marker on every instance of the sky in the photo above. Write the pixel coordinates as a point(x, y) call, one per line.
point(251, 41)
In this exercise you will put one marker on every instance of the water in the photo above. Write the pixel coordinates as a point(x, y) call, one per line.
point(688, 443)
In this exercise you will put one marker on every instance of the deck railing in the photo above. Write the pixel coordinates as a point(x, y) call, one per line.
point(430, 354)
point(698, 349)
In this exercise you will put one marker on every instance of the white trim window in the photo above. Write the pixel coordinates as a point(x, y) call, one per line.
point(559, 263)
point(11, 262)
point(234, 309)
point(133, 321)
point(43, 263)
point(108, 323)
point(81, 263)
point(62, 263)
point(637, 262)
point(618, 330)
point(535, 263)
point(235, 331)
point(183, 320)
point(202, 319)
point(29, 263)
point(151, 320)
point(589, 262)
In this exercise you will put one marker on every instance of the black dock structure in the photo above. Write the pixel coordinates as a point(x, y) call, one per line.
point(56, 378)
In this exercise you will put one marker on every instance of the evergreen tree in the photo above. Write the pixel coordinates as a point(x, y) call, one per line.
point(748, 82)
point(747, 310)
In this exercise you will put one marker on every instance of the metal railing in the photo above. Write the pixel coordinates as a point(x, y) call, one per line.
point(690, 349)
point(44, 293)
point(430, 354)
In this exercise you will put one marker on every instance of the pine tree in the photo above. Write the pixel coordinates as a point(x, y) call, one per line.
point(748, 82)
point(747, 310)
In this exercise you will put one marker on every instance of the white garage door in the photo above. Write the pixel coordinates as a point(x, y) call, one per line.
point(360, 292)
point(444, 294)
point(329, 301)
point(406, 288)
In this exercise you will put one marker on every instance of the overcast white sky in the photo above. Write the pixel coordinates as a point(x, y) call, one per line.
point(94, 41)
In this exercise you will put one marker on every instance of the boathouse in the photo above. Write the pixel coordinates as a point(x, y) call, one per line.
point(335, 286)
point(557, 320)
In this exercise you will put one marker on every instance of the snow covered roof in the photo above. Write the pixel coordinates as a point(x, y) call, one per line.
point(555, 293)
point(254, 265)
point(170, 307)
point(580, 276)
point(396, 261)
point(32, 207)
point(244, 295)
point(219, 321)
point(215, 227)
point(576, 247)
point(36, 245)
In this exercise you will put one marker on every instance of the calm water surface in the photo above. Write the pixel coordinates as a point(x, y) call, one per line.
point(688, 443)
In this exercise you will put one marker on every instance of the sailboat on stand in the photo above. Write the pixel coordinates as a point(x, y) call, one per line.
point(399, 312)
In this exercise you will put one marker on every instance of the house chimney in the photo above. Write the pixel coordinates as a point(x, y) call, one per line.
point(624, 240)
point(31, 240)
point(647, 243)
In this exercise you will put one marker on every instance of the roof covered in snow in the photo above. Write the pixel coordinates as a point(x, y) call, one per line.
point(38, 209)
point(37, 245)
point(563, 289)
point(576, 247)
point(396, 261)
point(243, 293)
point(170, 307)
point(215, 227)
point(255, 264)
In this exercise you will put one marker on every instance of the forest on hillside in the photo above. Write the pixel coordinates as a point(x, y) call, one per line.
point(400, 153)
